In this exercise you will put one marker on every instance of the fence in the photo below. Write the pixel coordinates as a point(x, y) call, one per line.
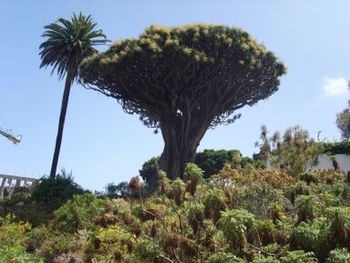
point(10, 182)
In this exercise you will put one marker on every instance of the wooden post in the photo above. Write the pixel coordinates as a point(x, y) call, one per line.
point(18, 183)
point(2, 188)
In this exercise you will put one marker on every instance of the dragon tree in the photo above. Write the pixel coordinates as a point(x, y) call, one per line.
point(184, 80)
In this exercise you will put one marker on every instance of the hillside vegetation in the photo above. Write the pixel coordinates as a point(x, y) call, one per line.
point(238, 215)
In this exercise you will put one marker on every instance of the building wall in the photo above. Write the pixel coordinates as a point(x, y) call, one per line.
point(326, 163)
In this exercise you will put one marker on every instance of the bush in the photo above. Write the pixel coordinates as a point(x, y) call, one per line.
point(13, 241)
point(13, 233)
point(309, 178)
point(339, 255)
point(263, 259)
point(311, 237)
point(237, 226)
point(77, 213)
point(147, 251)
point(17, 254)
point(299, 256)
point(222, 257)
point(54, 192)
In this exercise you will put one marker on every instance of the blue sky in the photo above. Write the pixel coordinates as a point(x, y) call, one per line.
point(101, 143)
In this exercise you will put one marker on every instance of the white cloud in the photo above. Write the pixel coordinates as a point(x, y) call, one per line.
point(335, 86)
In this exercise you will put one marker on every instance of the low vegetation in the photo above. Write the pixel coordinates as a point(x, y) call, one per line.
point(240, 214)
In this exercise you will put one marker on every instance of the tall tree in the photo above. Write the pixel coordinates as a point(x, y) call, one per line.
point(184, 80)
point(343, 123)
point(67, 43)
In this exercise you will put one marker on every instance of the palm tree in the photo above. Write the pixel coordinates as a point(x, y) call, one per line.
point(67, 43)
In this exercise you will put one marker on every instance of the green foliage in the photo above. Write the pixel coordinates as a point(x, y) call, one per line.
point(237, 225)
point(292, 152)
point(339, 255)
point(176, 191)
point(265, 259)
point(193, 176)
point(222, 257)
point(343, 123)
point(147, 251)
point(53, 192)
point(149, 169)
point(266, 231)
point(57, 243)
point(196, 217)
point(13, 241)
point(339, 220)
point(17, 254)
point(68, 42)
point(209, 161)
point(119, 190)
point(300, 188)
point(332, 148)
point(212, 161)
point(307, 206)
point(239, 215)
point(195, 54)
point(311, 237)
point(12, 233)
point(299, 256)
point(37, 205)
point(309, 178)
point(214, 203)
point(77, 213)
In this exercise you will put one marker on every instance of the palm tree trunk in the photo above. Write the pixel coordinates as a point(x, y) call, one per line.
point(62, 119)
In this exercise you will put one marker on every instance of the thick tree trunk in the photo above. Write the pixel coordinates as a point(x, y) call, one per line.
point(181, 140)
point(64, 104)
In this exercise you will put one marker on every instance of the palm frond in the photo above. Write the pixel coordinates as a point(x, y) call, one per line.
point(68, 42)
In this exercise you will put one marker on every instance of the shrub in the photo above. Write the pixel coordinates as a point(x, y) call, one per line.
point(55, 192)
point(309, 178)
point(307, 206)
point(193, 176)
point(56, 244)
point(17, 254)
point(311, 237)
point(13, 241)
point(263, 259)
point(176, 191)
point(237, 225)
point(13, 233)
point(77, 213)
point(147, 251)
point(299, 256)
point(292, 152)
point(339, 255)
point(266, 231)
point(300, 188)
point(214, 203)
point(196, 217)
point(222, 257)
point(339, 220)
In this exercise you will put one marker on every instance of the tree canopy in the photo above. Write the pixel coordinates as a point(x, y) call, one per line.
point(184, 80)
point(343, 123)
